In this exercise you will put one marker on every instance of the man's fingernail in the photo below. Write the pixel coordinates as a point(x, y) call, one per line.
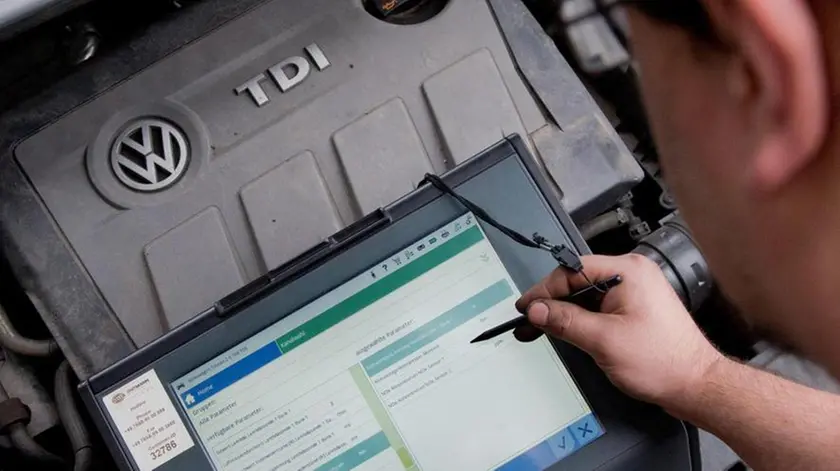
point(538, 313)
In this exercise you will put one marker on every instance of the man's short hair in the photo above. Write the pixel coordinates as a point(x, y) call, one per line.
point(687, 14)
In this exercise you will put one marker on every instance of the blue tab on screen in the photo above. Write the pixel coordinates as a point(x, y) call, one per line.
point(535, 459)
point(358, 454)
point(230, 375)
point(586, 429)
point(556, 447)
point(562, 444)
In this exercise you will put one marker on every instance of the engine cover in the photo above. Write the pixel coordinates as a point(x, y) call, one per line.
point(258, 140)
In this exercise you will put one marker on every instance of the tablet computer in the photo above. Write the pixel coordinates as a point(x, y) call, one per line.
point(357, 355)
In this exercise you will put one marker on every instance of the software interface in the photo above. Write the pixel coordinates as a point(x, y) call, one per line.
point(379, 374)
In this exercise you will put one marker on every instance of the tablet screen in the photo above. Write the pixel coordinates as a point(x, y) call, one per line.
point(379, 374)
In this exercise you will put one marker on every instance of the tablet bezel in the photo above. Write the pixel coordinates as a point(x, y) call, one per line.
point(508, 184)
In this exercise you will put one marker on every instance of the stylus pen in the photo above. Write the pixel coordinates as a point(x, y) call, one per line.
point(588, 298)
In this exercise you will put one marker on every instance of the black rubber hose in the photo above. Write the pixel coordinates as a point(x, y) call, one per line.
point(4, 440)
point(71, 419)
point(674, 250)
point(25, 444)
point(603, 223)
point(11, 340)
point(29, 448)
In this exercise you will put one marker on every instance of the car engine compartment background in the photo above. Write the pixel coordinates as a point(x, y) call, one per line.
point(264, 183)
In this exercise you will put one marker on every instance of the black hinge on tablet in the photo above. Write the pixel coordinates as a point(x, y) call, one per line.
point(229, 304)
point(363, 227)
point(303, 262)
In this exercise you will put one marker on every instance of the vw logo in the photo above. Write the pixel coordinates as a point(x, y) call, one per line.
point(149, 155)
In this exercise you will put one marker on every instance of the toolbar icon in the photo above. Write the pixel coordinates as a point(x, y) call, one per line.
point(397, 260)
point(457, 226)
point(444, 235)
point(469, 220)
point(421, 247)
point(409, 254)
point(433, 241)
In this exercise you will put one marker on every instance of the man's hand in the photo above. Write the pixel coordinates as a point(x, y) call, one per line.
point(644, 339)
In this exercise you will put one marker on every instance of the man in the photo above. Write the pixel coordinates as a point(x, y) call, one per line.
point(742, 101)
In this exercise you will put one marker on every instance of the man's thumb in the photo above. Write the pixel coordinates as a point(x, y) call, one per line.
point(568, 322)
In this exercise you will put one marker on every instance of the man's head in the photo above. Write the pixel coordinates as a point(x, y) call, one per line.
point(741, 96)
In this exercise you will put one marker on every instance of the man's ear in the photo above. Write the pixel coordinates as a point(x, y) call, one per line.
point(787, 100)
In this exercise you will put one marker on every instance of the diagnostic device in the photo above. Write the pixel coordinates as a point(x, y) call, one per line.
point(357, 355)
